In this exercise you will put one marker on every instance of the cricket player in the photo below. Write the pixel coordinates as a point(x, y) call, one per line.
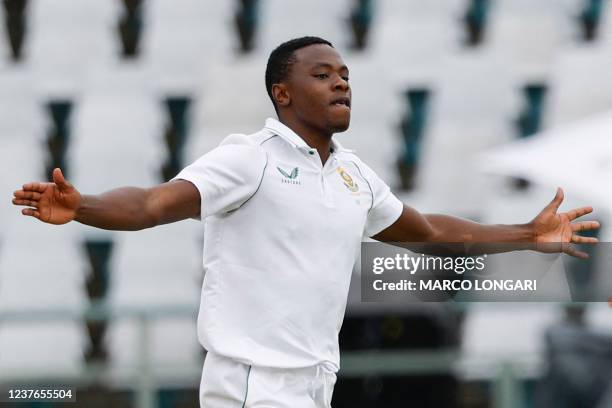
point(285, 210)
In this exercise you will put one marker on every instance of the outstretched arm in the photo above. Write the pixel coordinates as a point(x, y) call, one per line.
point(549, 231)
point(126, 208)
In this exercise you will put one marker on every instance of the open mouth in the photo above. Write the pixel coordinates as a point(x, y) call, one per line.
point(346, 102)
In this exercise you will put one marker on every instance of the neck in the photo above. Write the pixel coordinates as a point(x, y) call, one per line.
point(313, 137)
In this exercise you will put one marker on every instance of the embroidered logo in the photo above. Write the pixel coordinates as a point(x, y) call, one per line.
point(348, 180)
point(293, 175)
point(290, 178)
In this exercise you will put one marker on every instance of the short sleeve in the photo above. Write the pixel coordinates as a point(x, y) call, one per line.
point(386, 207)
point(226, 177)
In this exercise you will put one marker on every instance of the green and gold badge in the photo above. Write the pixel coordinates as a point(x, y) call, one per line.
point(348, 180)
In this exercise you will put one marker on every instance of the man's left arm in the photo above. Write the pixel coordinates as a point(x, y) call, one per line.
point(549, 231)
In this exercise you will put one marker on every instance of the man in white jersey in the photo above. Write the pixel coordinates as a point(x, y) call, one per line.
point(285, 211)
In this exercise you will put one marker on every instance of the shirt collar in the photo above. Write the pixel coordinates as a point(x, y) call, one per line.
point(286, 133)
point(290, 136)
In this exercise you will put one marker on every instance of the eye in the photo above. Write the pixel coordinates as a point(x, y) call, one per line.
point(345, 78)
point(321, 76)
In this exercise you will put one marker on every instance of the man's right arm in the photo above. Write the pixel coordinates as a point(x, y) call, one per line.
point(125, 209)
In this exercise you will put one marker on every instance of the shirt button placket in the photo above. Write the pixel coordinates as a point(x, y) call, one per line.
point(327, 192)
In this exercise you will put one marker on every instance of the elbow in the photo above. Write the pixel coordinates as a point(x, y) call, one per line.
point(149, 220)
point(431, 231)
point(434, 234)
point(142, 218)
point(142, 223)
point(150, 214)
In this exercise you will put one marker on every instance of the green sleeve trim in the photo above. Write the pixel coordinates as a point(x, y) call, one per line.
point(246, 392)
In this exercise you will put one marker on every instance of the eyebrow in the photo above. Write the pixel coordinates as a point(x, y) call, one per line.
point(328, 65)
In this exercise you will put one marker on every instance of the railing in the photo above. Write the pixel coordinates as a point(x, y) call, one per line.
point(505, 371)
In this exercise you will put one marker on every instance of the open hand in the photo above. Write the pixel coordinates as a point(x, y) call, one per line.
point(555, 232)
point(53, 203)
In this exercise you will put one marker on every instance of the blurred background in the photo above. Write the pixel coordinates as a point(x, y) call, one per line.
point(477, 108)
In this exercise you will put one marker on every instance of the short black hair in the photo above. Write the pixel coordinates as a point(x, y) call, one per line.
point(283, 57)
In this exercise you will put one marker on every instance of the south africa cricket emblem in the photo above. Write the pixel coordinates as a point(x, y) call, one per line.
point(348, 180)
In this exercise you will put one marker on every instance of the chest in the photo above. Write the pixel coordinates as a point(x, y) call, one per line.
point(333, 199)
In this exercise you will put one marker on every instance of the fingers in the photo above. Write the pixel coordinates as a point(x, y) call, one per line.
point(59, 180)
point(570, 250)
point(29, 203)
point(585, 226)
point(579, 212)
point(578, 239)
point(556, 202)
point(27, 198)
point(35, 186)
point(31, 212)
point(28, 195)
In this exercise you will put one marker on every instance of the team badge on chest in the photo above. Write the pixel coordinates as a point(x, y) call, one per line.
point(348, 180)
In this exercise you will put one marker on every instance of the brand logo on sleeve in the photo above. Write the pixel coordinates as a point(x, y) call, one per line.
point(289, 178)
point(348, 180)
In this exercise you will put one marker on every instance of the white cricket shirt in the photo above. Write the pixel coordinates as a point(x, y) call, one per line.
point(282, 233)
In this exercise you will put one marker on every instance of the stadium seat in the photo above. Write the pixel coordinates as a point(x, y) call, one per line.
point(415, 37)
point(22, 134)
point(579, 85)
point(41, 269)
point(66, 39)
point(218, 97)
point(412, 128)
point(177, 42)
point(466, 117)
point(361, 21)
point(590, 17)
point(41, 347)
point(99, 253)
point(33, 282)
point(178, 121)
point(14, 17)
point(605, 26)
point(527, 36)
point(22, 112)
point(159, 266)
point(118, 132)
point(476, 21)
point(152, 269)
point(530, 119)
point(490, 329)
point(306, 19)
point(130, 28)
point(246, 21)
point(58, 135)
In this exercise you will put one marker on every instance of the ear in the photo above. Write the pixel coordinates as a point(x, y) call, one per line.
point(281, 94)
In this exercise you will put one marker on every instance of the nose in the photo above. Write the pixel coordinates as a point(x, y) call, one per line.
point(341, 84)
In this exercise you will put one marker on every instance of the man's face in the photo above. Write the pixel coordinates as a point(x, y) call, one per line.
point(319, 93)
